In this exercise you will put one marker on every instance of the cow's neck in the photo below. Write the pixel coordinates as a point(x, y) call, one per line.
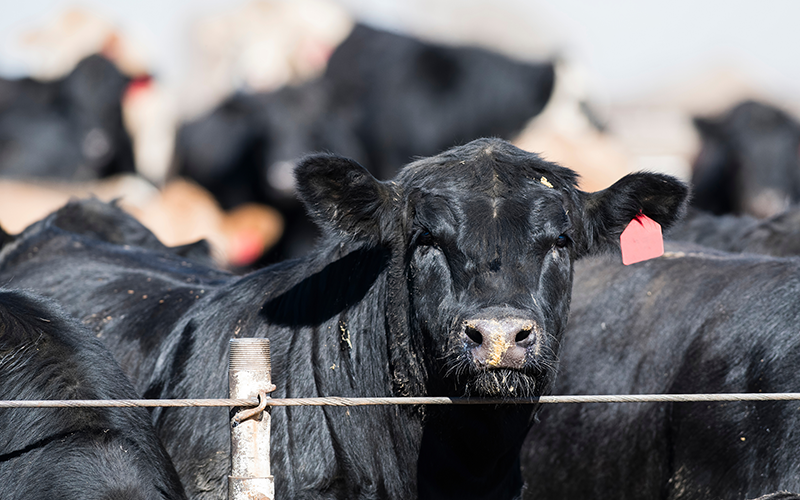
point(473, 451)
point(351, 307)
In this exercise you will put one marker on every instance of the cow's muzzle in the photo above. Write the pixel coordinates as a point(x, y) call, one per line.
point(501, 342)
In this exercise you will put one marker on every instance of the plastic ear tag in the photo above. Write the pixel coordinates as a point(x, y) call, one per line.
point(641, 240)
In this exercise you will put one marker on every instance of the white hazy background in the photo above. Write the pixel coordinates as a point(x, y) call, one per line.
point(628, 47)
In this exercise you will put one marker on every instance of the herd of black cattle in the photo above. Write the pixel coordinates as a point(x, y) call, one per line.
point(455, 276)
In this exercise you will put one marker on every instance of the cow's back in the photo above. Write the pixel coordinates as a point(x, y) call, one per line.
point(130, 297)
point(693, 321)
point(70, 453)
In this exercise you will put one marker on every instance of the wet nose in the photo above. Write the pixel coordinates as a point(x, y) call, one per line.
point(500, 342)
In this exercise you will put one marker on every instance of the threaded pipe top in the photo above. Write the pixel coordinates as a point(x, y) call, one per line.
point(249, 354)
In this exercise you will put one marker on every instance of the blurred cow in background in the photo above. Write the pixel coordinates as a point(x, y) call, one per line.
point(52, 50)
point(748, 163)
point(69, 128)
point(384, 99)
point(778, 235)
point(82, 117)
point(244, 151)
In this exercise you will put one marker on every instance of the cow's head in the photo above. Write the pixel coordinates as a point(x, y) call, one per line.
point(488, 236)
point(749, 162)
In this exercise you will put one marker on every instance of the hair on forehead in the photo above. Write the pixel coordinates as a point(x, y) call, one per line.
point(498, 155)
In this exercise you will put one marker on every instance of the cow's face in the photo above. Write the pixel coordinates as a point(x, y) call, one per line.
point(488, 235)
point(490, 257)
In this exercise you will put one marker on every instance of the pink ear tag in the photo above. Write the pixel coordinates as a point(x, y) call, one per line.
point(641, 240)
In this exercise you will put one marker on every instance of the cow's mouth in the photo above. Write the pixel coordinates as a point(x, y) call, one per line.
point(503, 383)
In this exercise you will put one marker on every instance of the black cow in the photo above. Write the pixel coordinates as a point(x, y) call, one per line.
point(748, 163)
point(71, 453)
point(69, 128)
point(412, 98)
point(778, 235)
point(72, 237)
point(453, 279)
point(693, 321)
point(384, 100)
point(247, 148)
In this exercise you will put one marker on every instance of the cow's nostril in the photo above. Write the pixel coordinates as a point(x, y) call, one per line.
point(522, 335)
point(473, 334)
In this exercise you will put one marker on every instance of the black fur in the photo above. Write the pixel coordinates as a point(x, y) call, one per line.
point(480, 232)
point(693, 321)
point(655, 195)
point(748, 163)
point(412, 98)
point(71, 453)
point(141, 290)
point(778, 235)
point(5, 238)
point(107, 222)
point(67, 129)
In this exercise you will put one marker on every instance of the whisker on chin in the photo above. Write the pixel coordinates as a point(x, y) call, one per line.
point(457, 364)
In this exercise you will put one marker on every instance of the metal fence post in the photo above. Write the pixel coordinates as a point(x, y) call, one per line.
point(248, 375)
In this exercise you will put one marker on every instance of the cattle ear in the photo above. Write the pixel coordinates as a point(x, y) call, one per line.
point(340, 195)
point(5, 237)
point(706, 126)
point(608, 212)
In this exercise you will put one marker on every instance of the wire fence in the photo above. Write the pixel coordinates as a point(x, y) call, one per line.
point(250, 374)
point(342, 401)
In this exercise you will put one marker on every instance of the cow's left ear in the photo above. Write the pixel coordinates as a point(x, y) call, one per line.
point(608, 212)
point(341, 195)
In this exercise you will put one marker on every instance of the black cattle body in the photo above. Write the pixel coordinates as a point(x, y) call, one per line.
point(778, 235)
point(748, 163)
point(71, 453)
point(453, 279)
point(693, 321)
point(108, 222)
point(384, 100)
point(88, 237)
point(414, 98)
point(245, 149)
point(70, 128)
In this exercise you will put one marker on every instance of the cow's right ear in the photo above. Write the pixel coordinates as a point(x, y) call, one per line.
point(607, 213)
point(341, 195)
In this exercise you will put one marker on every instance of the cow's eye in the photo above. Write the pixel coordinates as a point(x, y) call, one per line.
point(425, 238)
point(562, 241)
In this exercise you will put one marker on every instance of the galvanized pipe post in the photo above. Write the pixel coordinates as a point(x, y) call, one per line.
point(249, 375)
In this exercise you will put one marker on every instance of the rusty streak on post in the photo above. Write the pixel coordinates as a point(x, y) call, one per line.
point(248, 376)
